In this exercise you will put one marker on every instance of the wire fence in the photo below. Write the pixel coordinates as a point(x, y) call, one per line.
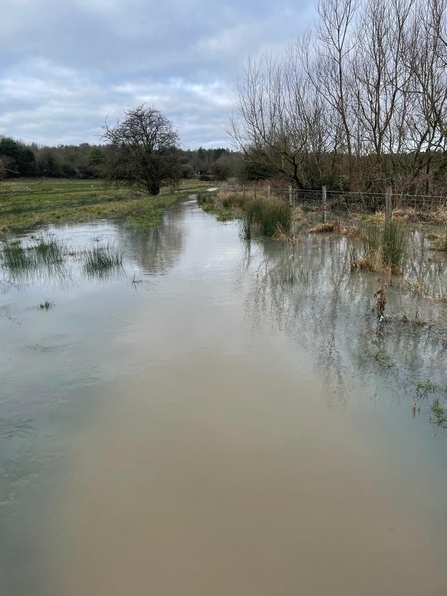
point(339, 203)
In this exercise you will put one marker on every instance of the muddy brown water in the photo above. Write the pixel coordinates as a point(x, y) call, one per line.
point(222, 426)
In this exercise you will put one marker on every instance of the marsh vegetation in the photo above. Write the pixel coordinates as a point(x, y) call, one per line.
point(49, 257)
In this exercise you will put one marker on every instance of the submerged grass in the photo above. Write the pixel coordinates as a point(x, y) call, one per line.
point(47, 305)
point(99, 261)
point(46, 257)
point(41, 251)
point(439, 412)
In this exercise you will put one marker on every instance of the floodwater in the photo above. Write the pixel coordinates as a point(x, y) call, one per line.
point(218, 418)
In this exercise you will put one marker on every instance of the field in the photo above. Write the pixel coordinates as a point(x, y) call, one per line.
point(28, 204)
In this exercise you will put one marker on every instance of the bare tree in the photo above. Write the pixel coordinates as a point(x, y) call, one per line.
point(329, 68)
point(381, 81)
point(360, 102)
point(277, 119)
point(144, 149)
point(425, 56)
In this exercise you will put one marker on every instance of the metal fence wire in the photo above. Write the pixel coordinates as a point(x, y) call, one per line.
point(340, 202)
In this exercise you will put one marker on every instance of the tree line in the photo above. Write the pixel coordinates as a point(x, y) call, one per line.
point(86, 161)
point(357, 103)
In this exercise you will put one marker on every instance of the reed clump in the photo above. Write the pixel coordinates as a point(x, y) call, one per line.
point(384, 249)
point(16, 256)
point(100, 260)
point(271, 216)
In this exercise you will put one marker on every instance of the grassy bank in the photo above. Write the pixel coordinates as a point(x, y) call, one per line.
point(30, 204)
point(270, 217)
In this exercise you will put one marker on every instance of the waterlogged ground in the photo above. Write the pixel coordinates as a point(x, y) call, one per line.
point(217, 418)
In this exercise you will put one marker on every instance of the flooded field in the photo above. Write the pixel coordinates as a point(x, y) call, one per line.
point(208, 416)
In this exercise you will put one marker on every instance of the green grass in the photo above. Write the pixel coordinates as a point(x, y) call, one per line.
point(439, 412)
point(100, 261)
point(425, 388)
point(42, 251)
point(394, 244)
point(68, 201)
point(42, 257)
point(272, 216)
point(385, 248)
point(269, 216)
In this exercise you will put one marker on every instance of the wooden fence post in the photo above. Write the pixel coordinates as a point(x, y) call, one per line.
point(388, 204)
point(324, 203)
point(290, 196)
point(268, 192)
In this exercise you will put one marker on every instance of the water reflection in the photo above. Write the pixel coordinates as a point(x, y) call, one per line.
point(309, 293)
point(156, 251)
point(174, 440)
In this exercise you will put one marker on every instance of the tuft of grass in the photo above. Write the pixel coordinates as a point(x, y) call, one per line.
point(269, 216)
point(272, 216)
point(394, 244)
point(225, 206)
point(233, 201)
point(384, 249)
point(353, 232)
point(326, 228)
point(16, 257)
point(205, 199)
point(297, 214)
point(43, 251)
point(439, 412)
point(101, 260)
point(47, 305)
point(426, 388)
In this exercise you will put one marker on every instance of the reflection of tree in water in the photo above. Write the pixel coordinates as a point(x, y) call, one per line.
point(309, 293)
point(157, 251)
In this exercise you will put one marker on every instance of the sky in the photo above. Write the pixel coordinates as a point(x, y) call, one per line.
point(67, 65)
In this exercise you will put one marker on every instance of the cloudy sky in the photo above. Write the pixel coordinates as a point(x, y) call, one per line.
point(66, 65)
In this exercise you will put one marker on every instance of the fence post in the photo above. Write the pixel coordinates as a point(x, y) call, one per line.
point(324, 203)
point(388, 204)
point(290, 196)
point(268, 192)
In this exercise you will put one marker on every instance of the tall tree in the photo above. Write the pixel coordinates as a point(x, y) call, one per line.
point(144, 149)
